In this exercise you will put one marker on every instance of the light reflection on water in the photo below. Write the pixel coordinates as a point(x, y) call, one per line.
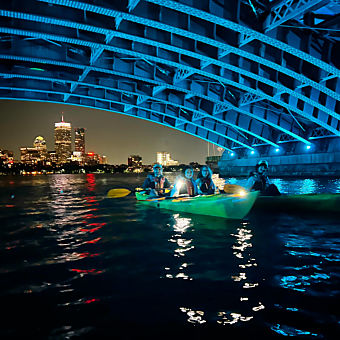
point(64, 243)
point(183, 245)
point(298, 186)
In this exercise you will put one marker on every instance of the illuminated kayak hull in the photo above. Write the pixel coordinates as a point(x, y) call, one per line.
point(313, 203)
point(226, 206)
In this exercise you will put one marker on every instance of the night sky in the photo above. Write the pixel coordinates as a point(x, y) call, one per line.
point(113, 135)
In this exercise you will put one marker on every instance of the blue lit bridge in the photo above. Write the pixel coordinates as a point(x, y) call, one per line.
point(247, 75)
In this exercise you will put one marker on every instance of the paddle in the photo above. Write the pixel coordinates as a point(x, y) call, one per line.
point(117, 193)
point(234, 189)
point(121, 192)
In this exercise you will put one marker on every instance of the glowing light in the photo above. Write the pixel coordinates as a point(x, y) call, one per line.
point(308, 147)
point(242, 193)
point(180, 183)
point(277, 150)
point(252, 152)
point(232, 154)
point(63, 125)
point(36, 69)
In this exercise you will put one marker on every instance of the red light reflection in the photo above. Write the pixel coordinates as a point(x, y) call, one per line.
point(86, 271)
point(91, 300)
point(91, 180)
point(94, 241)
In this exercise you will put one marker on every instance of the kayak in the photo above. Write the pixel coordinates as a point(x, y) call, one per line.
point(313, 203)
point(235, 206)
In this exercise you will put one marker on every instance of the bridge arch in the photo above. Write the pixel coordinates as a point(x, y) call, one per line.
point(202, 68)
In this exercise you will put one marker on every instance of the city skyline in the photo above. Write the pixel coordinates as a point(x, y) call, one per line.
point(113, 135)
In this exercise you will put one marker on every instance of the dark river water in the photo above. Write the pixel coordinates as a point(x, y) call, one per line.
point(75, 264)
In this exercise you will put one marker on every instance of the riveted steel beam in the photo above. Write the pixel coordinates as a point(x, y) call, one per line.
point(222, 46)
point(260, 118)
point(287, 10)
point(177, 65)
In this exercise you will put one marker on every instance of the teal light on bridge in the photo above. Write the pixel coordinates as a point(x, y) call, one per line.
point(37, 69)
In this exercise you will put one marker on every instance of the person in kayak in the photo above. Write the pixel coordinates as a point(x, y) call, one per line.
point(259, 181)
point(204, 181)
point(185, 184)
point(155, 184)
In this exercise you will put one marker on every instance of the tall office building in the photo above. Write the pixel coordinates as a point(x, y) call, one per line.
point(79, 140)
point(165, 159)
point(62, 140)
point(79, 146)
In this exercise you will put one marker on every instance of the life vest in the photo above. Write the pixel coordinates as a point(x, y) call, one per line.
point(159, 182)
point(206, 185)
point(189, 187)
point(260, 183)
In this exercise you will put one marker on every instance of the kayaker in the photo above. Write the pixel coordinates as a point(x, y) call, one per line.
point(259, 181)
point(155, 183)
point(185, 183)
point(204, 181)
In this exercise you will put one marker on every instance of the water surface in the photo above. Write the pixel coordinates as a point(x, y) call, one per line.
point(76, 264)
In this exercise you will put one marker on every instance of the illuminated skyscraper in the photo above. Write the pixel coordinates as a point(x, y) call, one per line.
point(62, 140)
point(79, 140)
point(165, 159)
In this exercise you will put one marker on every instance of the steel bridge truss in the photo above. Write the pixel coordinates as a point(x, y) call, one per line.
point(242, 73)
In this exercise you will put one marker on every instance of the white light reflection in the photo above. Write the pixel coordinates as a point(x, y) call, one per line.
point(308, 186)
point(194, 316)
point(181, 224)
point(184, 245)
point(73, 216)
point(232, 318)
point(241, 250)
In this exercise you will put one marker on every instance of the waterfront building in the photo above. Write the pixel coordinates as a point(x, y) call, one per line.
point(29, 155)
point(40, 143)
point(62, 141)
point(79, 142)
point(36, 154)
point(135, 161)
point(78, 157)
point(92, 158)
point(52, 158)
point(164, 158)
point(6, 157)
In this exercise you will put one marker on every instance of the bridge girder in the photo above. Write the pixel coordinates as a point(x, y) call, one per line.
point(174, 64)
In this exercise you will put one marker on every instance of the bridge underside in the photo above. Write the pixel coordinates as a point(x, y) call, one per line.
point(237, 73)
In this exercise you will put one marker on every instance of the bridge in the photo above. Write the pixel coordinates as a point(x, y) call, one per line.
point(247, 75)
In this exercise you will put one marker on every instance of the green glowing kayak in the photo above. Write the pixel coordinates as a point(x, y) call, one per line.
point(221, 205)
point(328, 203)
